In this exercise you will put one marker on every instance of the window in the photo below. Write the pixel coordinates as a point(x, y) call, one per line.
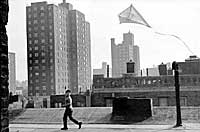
point(36, 61)
point(30, 61)
point(30, 68)
point(30, 88)
point(29, 35)
point(36, 54)
point(43, 60)
point(29, 29)
point(43, 67)
point(51, 73)
point(35, 28)
point(42, 14)
point(42, 34)
point(35, 22)
point(43, 40)
point(29, 22)
point(36, 47)
point(30, 55)
point(36, 41)
point(36, 67)
point(35, 8)
point(35, 15)
point(42, 27)
point(50, 47)
point(42, 8)
point(183, 101)
point(50, 40)
point(43, 54)
point(37, 88)
point(30, 42)
point(36, 80)
point(37, 94)
point(42, 21)
point(35, 34)
point(51, 60)
point(29, 9)
point(43, 74)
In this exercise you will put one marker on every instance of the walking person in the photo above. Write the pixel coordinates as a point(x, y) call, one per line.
point(69, 111)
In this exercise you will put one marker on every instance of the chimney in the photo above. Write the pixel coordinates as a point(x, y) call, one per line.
point(112, 40)
point(64, 1)
point(147, 72)
point(107, 71)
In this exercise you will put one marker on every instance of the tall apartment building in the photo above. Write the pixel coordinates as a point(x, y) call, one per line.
point(12, 72)
point(123, 53)
point(54, 44)
point(79, 52)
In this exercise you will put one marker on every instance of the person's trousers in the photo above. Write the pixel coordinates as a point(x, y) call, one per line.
point(68, 113)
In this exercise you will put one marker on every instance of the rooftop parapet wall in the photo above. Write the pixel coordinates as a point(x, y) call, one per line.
point(137, 82)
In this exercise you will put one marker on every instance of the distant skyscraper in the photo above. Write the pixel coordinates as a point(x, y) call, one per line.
point(123, 53)
point(58, 49)
point(12, 72)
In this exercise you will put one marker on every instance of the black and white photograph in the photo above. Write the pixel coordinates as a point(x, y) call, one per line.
point(100, 65)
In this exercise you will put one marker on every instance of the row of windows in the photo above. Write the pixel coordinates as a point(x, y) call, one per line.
point(36, 28)
point(37, 81)
point(37, 61)
point(38, 67)
point(37, 74)
point(35, 8)
point(35, 15)
point(44, 87)
point(36, 41)
point(41, 48)
point(38, 94)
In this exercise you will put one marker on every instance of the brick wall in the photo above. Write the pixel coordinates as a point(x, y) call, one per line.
point(4, 66)
point(192, 97)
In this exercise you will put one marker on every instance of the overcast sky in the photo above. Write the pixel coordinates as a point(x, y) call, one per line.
point(178, 17)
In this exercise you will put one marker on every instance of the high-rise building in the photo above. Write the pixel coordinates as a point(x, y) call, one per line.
point(79, 63)
point(123, 53)
point(12, 72)
point(58, 49)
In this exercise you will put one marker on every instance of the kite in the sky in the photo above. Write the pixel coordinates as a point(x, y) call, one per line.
point(131, 15)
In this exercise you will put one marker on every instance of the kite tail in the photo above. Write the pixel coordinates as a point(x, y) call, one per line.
point(178, 39)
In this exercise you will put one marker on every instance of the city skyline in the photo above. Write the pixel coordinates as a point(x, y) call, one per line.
point(182, 20)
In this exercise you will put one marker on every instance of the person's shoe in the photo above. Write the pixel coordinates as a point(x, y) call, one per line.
point(79, 124)
point(64, 128)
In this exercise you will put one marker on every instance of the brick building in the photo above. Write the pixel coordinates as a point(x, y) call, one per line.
point(58, 49)
point(160, 88)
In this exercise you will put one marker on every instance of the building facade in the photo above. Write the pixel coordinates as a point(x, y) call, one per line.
point(12, 72)
point(79, 52)
point(123, 53)
point(159, 88)
point(56, 49)
point(190, 66)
